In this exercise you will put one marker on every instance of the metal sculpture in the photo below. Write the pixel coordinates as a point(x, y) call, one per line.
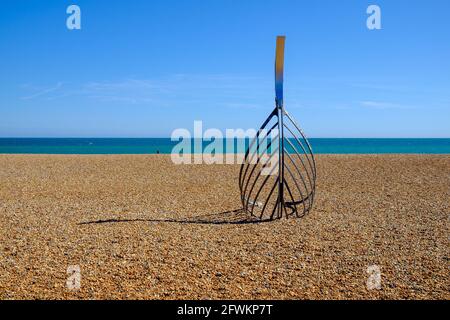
point(278, 173)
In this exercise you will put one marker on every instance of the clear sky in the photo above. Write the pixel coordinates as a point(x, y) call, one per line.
point(144, 68)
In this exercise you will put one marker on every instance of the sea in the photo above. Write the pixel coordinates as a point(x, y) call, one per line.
point(165, 146)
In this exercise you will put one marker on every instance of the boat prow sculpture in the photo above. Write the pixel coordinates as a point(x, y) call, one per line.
point(278, 175)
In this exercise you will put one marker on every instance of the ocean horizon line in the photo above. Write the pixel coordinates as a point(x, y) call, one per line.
point(166, 145)
point(106, 137)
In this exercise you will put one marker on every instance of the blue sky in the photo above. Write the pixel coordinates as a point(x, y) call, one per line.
point(145, 68)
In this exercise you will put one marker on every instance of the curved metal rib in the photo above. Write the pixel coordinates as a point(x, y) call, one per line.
point(252, 142)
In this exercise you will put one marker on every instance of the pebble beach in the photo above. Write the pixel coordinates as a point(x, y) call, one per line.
point(141, 227)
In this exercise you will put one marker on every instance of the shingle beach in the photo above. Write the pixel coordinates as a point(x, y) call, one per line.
point(140, 227)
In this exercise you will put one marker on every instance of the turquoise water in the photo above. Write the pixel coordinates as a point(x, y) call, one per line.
point(165, 145)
